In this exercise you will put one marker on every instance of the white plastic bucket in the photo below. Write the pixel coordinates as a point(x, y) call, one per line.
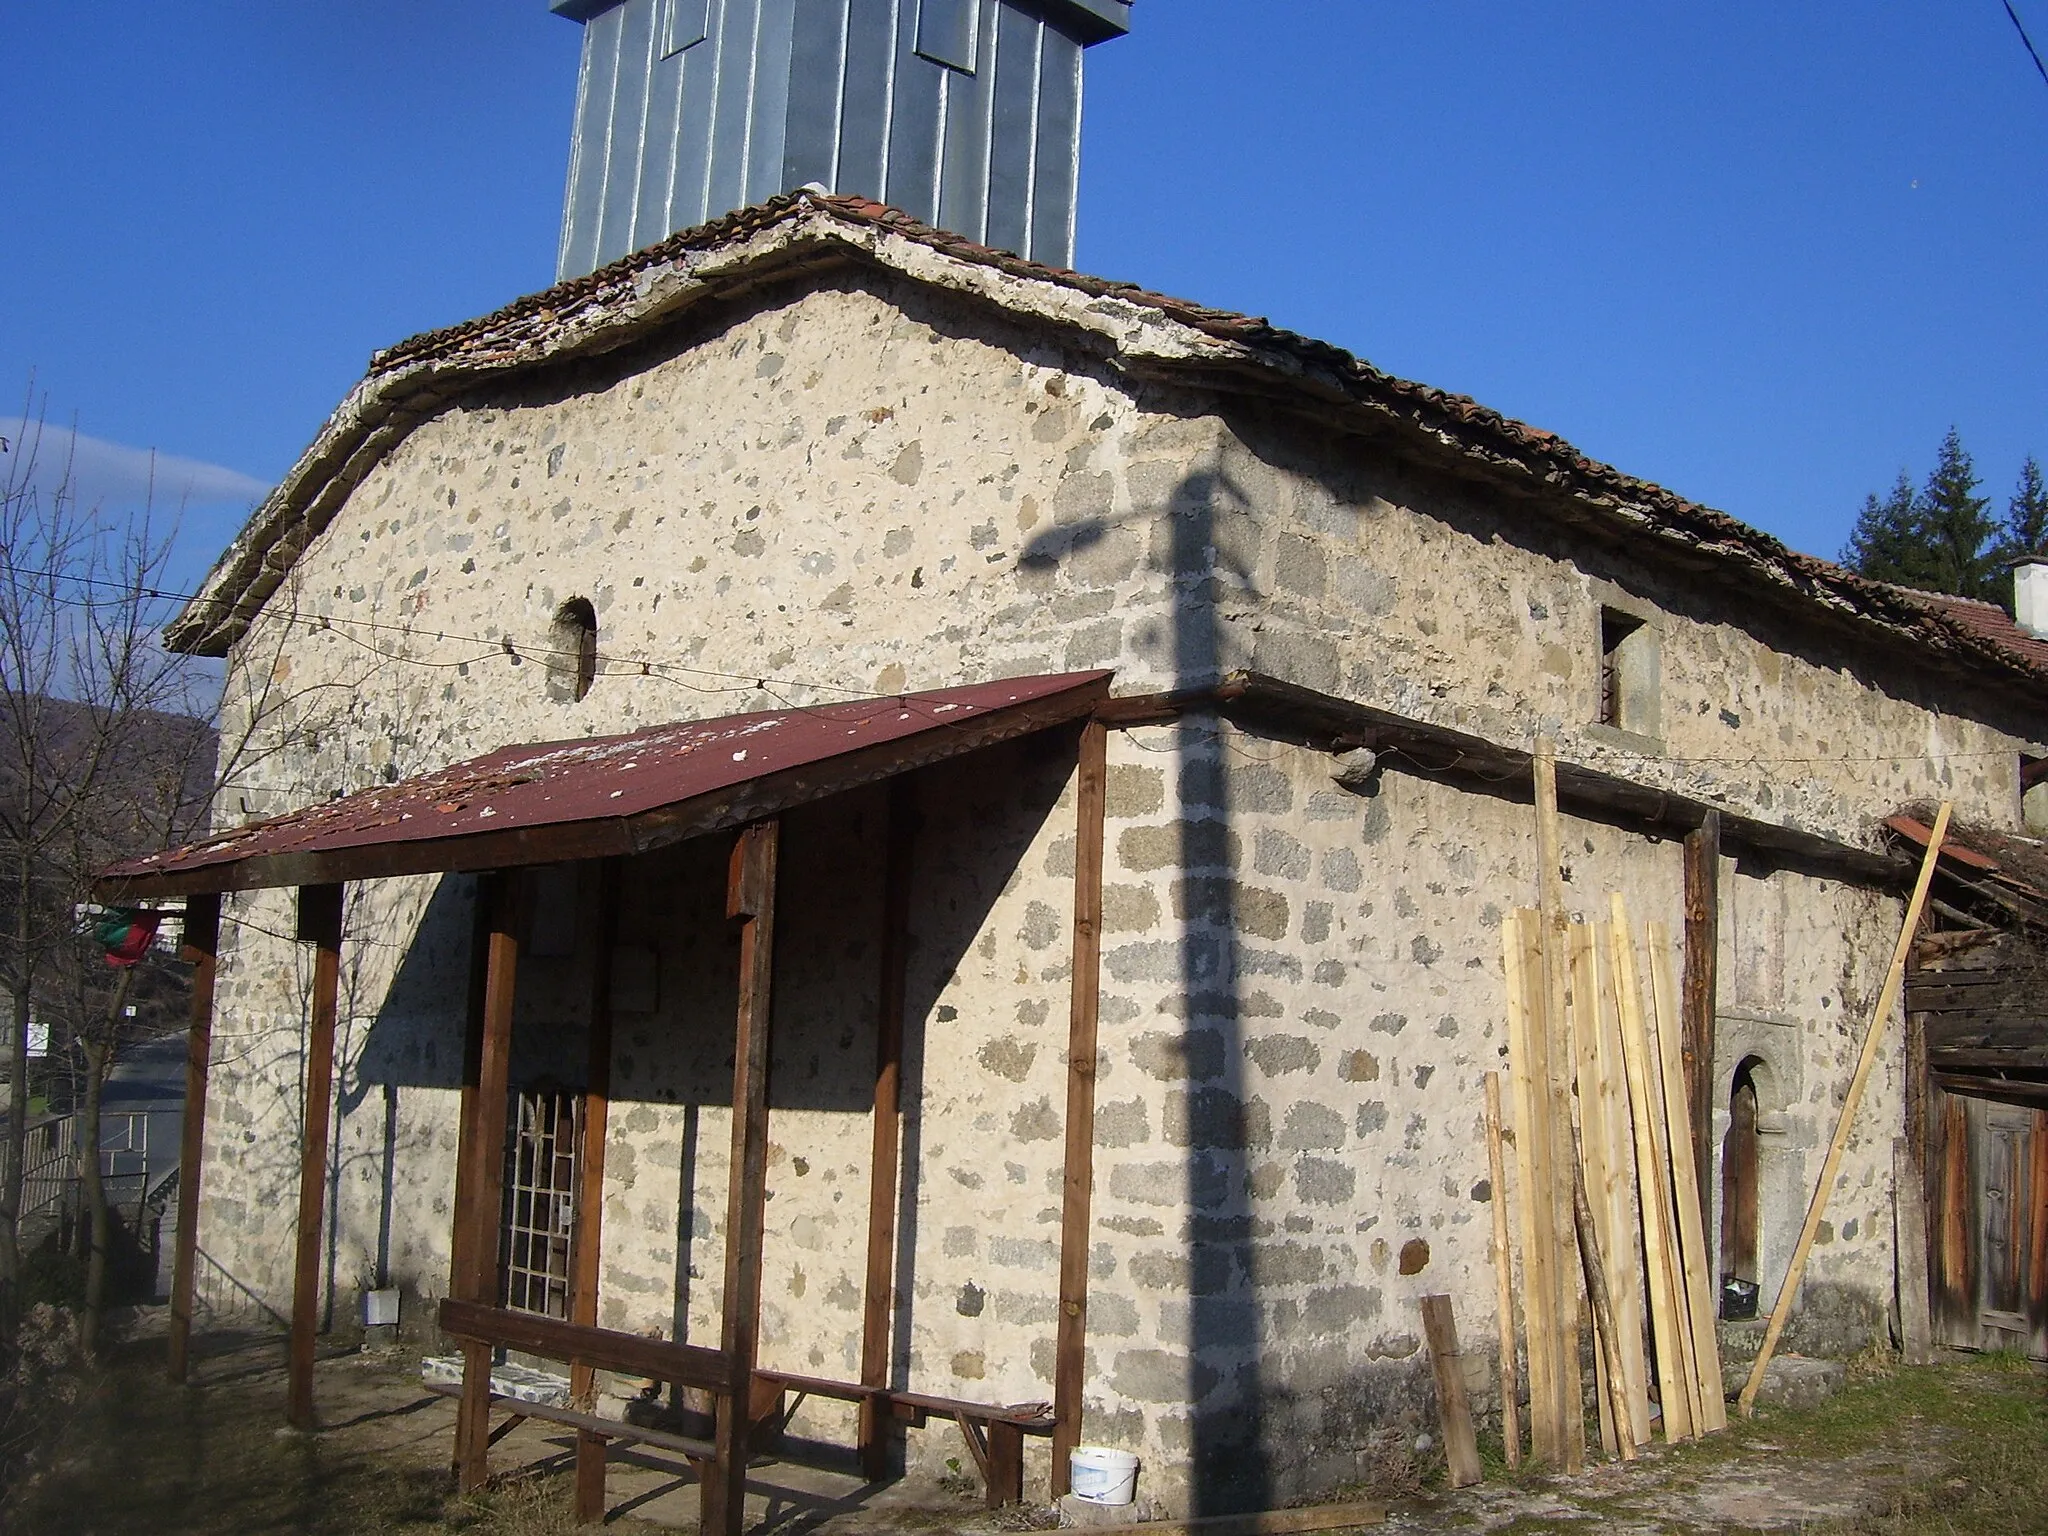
point(1102, 1476)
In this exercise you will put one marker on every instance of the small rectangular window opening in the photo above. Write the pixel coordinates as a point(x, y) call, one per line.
point(541, 1160)
point(1616, 629)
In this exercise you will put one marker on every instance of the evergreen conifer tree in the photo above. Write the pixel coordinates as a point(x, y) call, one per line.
point(1957, 525)
point(1889, 541)
point(2026, 515)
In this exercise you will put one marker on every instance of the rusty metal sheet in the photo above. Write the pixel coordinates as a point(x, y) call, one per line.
point(608, 794)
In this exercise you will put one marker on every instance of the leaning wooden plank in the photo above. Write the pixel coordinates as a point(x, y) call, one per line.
point(1596, 1234)
point(1653, 1183)
point(1273, 1522)
point(1695, 1262)
point(1685, 1368)
point(1909, 1245)
point(1503, 1279)
point(1626, 1277)
point(1556, 1034)
point(1454, 1413)
point(1873, 1035)
point(1539, 1250)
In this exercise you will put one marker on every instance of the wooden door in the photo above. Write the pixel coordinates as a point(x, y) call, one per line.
point(1987, 1228)
point(2003, 1134)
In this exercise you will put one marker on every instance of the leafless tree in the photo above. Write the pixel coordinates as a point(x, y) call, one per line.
point(105, 750)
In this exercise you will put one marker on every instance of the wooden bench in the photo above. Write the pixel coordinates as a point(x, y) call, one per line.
point(994, 1432)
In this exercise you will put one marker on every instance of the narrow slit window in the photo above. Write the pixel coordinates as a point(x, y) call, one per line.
point(1628, 673)
point(572, 650)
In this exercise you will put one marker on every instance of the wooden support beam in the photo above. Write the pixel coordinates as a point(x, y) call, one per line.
point(459, 1266)
point(1078, 1182)
point(630, 1354)
point(1702, 955)
point(1556, 1029)
point(1873, 1035)
point(1003, 1477)
point(750, 898)
point(879, 1302)
point(483, 904)
point(319, 925)
point(201, 950)
point(586, 1236)
point(1461, 1448)
point(480, 1219)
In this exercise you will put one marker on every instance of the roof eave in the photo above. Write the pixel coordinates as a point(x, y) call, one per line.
point(1144, 332)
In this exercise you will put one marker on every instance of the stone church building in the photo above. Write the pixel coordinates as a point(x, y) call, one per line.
point(818, 454)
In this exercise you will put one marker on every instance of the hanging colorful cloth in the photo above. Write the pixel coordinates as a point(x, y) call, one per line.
point(126, 934)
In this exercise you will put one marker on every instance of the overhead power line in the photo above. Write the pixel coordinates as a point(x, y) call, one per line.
point(2032, 53)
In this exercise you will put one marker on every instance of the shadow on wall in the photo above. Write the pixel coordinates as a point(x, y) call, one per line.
point(677, 1000)
point(1231, 1466)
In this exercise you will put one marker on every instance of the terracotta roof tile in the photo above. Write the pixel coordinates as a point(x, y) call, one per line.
point(411, 379)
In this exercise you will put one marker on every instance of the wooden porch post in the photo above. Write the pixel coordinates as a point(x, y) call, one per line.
point(750, 897)
point(201, 949)
point(883, 1170)
point(477, 1222)
point(472, 1065)
point(586, 1239)
point(1071, 1340)
point(320, 925)
point(465, 1142)
point(1699, 997)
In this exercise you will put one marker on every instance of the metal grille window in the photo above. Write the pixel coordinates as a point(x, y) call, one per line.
point(540, 1200)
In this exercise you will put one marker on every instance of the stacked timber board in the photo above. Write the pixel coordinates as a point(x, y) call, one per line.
point(1606, 1199)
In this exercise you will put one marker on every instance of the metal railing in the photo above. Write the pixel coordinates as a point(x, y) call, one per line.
point(52, 1188)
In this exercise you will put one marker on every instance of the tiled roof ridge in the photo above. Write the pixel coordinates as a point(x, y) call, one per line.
point(1456, 421)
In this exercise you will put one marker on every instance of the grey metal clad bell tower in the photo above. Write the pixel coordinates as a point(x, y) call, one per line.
point(964, 113)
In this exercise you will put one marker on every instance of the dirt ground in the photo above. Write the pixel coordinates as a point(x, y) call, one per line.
point(1956, 1448)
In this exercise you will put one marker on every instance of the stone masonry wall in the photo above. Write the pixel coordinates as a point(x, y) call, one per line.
point(870, 487)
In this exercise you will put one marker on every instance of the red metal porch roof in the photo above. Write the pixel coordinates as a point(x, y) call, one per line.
point(607, 795)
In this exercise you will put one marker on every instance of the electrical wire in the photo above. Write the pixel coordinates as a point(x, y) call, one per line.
point(740, 682)
point(2032, 53)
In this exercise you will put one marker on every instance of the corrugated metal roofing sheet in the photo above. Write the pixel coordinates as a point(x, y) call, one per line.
point(607, 795)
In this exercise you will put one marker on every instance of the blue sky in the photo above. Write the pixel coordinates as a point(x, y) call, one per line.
point(1763, 254)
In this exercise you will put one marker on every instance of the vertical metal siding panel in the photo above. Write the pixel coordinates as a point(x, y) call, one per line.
point(591, 163)
point(775, 41)
point(657, 216)
point(914, 125)
point(732, 112)
point(583, 162)
point(1056, 179)
point(817, 79)
point(629, 117)
point(864, 109)
point(970, 110)
point(689, 202)
point(1012, 132)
